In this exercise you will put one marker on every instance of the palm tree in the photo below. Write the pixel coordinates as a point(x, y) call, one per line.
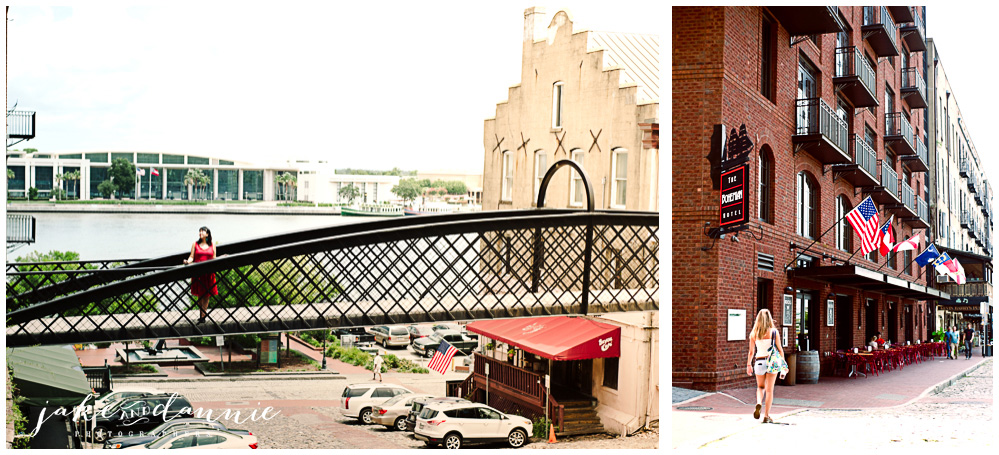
point(56, 188)
point(10, 175)
point(292, 181)
point(203, 181)
point(191, 177)
point(280, 179)
point(74, 177)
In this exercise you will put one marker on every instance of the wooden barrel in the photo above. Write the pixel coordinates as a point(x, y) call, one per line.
point(808, 367)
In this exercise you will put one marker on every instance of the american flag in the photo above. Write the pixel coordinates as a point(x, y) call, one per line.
point(442, 358)
point(864, 219)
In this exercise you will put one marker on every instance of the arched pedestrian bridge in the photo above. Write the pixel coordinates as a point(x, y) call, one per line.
point(404, 270)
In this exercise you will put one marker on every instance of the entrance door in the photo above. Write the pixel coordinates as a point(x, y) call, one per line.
point(870, 320)
point(805, 322)
point(909, 324)
point(807, 115)
point(844, 322)
point(893, 322)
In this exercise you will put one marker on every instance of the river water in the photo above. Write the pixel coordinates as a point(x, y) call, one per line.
point(146, 235)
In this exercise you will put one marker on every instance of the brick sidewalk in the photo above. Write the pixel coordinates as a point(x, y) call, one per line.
point(891, 388)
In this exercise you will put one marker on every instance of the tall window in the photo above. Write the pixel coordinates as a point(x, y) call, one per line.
point(507, 182)
point(577, 192)
point(844, 232)
point(540, 167)
point(807, 198)
point(907, 258)
point(557, 104)
point(764, 196)
point(768, 49)
point(619, 185)
point(611, 366)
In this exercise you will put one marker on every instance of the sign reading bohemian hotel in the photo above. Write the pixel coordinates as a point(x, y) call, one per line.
point(733, 205)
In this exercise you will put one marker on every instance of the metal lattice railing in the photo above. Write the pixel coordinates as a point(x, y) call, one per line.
point(418, 269)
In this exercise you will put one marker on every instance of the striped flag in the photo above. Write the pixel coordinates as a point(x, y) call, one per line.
point(864, 219)
point(154, 171)
point(442, 358)
point(140, 172)
point(887, 238)
point(959, 276)
point(911, 243)
point(945, 265)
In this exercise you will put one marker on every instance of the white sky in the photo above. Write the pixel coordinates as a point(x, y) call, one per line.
point(964, 36)
point(362, 84)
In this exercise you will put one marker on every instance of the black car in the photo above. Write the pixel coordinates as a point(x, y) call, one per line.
point(172, 426)
point(137, 415)
point(418, 331)
point(426, 346)
point(420, 403)
point(363, 337)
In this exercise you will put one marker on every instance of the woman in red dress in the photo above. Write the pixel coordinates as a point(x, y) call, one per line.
point(203, 287)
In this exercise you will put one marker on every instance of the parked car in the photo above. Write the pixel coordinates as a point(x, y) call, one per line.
point(357, 400)
point(455, 424)
point(457, 328)
point(201, 439)
point(393, 412)
point(426, 346)
point(395, 335)
point(363, 337)
point(137, 415)
point(418, 405)
point(121, 392)
point(418, 331)
point(172, 426)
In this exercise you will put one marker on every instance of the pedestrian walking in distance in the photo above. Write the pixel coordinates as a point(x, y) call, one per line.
point(969, 336)
point(955, 337)
point(765, 360)
point(378, 366)
point(203, 287)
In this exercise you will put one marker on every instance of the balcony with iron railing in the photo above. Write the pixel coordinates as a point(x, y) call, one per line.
point(972, 226)
point(965, 219)
point(913, 88)
point(862, 171)
point(923, 210)
point(854, 77)
point(969, 289)
point(914, 33)
point(963, 166)
point(906, 209)
point(821, 132)
point(898, 133)
point(973, 181)
point(917, 162)
point(887, 191)
point(20, 126)
point(880, 32)
point(901, 14)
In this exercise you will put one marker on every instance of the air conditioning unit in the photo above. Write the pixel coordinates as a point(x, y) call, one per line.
point(944, 279)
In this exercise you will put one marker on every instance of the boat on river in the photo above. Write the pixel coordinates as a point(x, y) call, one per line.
point(372, 210)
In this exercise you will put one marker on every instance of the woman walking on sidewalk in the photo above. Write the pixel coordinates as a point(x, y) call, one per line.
point(766, 360)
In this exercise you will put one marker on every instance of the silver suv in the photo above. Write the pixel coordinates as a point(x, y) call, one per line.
point(358, 399)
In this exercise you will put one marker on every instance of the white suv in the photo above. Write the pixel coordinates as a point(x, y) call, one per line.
point(358, 399)
point(453, 424)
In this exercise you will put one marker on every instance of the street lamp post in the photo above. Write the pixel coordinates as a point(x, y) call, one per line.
point(325, 336)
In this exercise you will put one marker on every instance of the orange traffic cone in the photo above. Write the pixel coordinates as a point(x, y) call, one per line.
point(551, 434)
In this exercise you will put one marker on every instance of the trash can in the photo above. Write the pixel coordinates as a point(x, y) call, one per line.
point(791, 369)
point(987, 350)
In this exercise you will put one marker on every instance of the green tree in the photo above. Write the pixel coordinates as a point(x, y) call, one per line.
point(106, 188)
point(74, 177)
point(10, 176)
point(122, 173)
point(29, 150)
point(58, 179)
point(194, 178)
point(453, 187)
point(203, 181)
point(32, 193)
point(407, 189)
point(350, 192)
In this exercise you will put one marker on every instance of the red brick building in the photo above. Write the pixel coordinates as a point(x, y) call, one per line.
point(833, 101)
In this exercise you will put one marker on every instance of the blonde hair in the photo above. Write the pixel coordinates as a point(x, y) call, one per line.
point(764, 322)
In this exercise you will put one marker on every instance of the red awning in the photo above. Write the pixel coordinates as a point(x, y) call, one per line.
point(556, 337)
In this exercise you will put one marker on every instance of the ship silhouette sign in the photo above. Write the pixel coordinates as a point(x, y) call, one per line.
point(733, 204)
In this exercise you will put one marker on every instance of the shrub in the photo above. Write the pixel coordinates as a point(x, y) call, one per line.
point(541, 427)
point(32, 193)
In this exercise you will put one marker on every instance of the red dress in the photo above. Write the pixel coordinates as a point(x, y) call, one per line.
point(205, 284)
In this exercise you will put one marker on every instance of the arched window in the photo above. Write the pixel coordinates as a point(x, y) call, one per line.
point(507, 181)
point(765, 193)
point(557, 104)
point(577, 191)
point(844, 232)
point(807, 203)
point(540, 168)
point(619, 171)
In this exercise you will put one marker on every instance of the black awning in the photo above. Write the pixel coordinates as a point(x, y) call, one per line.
point(855, 276)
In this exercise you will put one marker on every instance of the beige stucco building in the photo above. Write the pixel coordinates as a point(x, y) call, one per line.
point(592, 97)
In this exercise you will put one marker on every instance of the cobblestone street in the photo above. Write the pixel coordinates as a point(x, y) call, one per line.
point(309, 415)
point(959, 416)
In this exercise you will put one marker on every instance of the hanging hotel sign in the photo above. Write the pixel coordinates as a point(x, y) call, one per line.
point(733, 208)
point(730, 156)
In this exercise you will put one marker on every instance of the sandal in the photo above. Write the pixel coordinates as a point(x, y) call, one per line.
point(767, 419)
point(756, 413)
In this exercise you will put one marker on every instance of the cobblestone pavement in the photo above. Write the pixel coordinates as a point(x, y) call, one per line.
point(959, 416)
point(309, 417)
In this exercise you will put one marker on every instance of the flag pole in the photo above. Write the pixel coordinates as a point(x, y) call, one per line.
point(906, 265)
point(851, 255)
point(786, 267)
